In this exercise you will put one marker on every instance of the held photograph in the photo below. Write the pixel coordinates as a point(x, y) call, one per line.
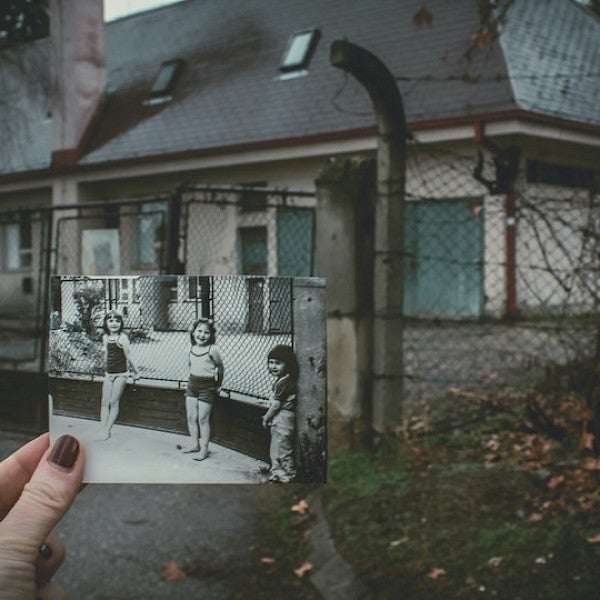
point(191, 379)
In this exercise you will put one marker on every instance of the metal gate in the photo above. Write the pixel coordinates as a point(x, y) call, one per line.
point(198, 229)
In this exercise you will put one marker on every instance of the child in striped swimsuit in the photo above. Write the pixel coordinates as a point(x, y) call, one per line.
point(206, 377)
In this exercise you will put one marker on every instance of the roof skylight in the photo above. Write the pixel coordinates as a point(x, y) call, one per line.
point(165, 80)
point(300, 48)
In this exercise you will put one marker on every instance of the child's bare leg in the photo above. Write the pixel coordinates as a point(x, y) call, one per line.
point(105, 405)
point(204, 421)
point(115, 398)
point(191, 410)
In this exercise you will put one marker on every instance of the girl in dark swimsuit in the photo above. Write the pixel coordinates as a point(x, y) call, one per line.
point(118, 366)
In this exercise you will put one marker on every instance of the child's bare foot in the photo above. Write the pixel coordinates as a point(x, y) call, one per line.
point(188, 449)
point(203, 455)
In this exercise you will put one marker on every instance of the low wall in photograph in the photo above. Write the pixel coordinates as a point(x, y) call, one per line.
point(235, 424)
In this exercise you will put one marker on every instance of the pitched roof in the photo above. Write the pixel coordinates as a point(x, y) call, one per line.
point(230, 91)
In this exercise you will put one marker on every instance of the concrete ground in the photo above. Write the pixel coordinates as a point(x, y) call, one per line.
point(120, 536)
point(137, 455)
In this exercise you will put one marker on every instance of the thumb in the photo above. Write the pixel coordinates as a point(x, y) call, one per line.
point(44, 500)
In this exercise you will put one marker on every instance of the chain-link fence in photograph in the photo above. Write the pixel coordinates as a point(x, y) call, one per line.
point(250, 315)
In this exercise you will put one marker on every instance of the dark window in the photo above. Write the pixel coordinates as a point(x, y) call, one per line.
point(111, 216)
point(561, 175)
point(252, 200)
point(300, 49)
point(165, 80)
point(253, 241)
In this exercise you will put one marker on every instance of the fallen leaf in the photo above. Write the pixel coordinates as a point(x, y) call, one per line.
point(555, 482)
point(540, 560)
point(304, 568)
point(535, 517)
point(586, 441)
point(495, 561)
point(396, 543)
point(422, 17)
point(301, 508)
point(171, 572)
point(592, 464)
point(267, 560)
point(436, 573)
point(594, 540)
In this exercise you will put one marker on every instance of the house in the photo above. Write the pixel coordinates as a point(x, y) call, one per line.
point(246, 97)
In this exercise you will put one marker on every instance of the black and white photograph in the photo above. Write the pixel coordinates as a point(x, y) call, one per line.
point(191, 379)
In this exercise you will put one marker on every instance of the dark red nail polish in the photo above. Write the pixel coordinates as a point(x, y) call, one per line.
point(65, 451)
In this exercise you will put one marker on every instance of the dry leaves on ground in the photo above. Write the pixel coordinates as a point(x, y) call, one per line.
point(171, 572)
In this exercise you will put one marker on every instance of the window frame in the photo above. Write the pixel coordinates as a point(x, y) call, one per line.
point(23, 254)
point(301, 63)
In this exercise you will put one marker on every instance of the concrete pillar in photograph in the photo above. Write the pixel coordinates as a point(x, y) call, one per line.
point(310, 345)
point(344, 249)
point(154, 301)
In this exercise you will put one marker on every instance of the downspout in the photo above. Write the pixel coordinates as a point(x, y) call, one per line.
point(387, 343)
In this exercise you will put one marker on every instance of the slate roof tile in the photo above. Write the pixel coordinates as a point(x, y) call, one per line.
point(229, 91)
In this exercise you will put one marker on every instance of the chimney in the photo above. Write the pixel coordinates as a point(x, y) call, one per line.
point(78, 74)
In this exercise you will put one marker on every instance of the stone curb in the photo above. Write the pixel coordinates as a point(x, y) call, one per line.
point(332, 576)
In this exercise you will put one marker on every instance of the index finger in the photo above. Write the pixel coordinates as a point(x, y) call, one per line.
point(17, 469)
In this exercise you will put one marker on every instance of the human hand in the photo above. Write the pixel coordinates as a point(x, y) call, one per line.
point(37, 486)
point(265, 422)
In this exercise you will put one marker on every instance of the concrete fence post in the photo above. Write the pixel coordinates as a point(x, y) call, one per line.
point(344, 253)
point(310, 345)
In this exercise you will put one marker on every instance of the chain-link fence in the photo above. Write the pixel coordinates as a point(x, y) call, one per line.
point(198, 229)
point(247, 230)
point(24, 239)
point(250, 315)
point(498, 286)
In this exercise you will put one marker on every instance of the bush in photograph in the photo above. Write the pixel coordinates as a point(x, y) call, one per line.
point(86, 300)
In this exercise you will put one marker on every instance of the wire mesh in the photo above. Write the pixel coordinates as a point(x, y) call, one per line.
point(24, 237)
point(250, 315)
point(248, 231)
point(495, 295)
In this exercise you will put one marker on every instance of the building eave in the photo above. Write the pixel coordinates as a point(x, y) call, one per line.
point(512, 122)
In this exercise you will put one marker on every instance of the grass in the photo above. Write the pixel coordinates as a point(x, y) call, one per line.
point(474, 503)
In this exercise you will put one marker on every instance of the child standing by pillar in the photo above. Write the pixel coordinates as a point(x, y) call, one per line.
point(206, 377)
point(118, 366)
point(280, 416)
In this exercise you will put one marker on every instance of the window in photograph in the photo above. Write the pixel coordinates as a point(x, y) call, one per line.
point(171, 281)
point(127, 290)
point(299, 51)
point(18, 245)
point(199, 290)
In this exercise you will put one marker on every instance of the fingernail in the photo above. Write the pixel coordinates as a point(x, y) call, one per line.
point(65, 451)
point(45, 551)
